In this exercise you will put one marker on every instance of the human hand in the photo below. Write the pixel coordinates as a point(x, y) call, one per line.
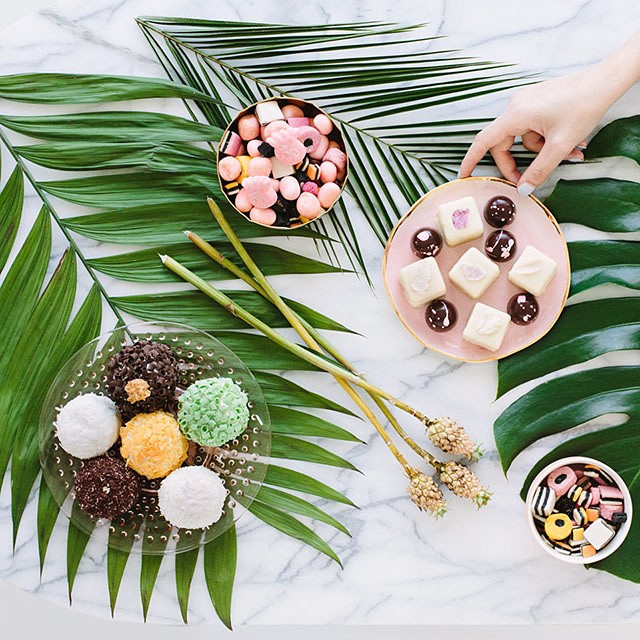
point(553, 118)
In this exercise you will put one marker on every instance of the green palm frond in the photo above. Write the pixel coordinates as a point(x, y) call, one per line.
point(148, 180)
point(370, 77)
point(586, 330)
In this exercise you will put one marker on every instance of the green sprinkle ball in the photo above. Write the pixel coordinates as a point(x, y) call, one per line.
point(213, 411)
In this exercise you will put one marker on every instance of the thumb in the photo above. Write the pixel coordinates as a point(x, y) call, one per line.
point(550, 156)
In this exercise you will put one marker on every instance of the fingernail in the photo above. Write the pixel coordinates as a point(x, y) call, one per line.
point(582, 147)
point(525, 189)
point(570, 159)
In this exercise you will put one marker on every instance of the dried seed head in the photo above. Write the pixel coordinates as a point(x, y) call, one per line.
point(450, 437)
point(464, 483)
point(426, 495)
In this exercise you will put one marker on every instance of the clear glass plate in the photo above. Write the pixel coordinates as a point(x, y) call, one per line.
point(241, 463)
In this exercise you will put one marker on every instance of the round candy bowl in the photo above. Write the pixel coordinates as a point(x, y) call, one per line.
point(555, 473)
point(293, 158)
point(240, 463)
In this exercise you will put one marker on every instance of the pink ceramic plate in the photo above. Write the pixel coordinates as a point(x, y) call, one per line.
point(533, 225)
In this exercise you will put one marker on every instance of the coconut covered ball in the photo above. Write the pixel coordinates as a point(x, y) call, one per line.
point(152, 444)
point(192, 497)
point(142, 377)
point(213, 411)
point(88, 425)
point(105, 488)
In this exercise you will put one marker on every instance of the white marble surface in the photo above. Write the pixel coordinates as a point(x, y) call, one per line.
point(400, 567)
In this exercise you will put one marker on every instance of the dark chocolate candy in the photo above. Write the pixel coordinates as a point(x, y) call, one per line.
point(500, 246)
point(106, 487)
point(523, 308)
point(441, 315)
point(564, 505)
point(266, 150)
point(426, 243)
point(500, 211)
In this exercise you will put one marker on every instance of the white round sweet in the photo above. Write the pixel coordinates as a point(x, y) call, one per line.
point(192, 497)
point(88, 425)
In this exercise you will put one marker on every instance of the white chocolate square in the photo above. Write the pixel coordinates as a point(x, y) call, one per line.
point(422, 282)
point(268, 111)
point(486, 327)
point(532, 271)
point(279, 169)
point(599, 533)
point(474, 273)
point(459, 221)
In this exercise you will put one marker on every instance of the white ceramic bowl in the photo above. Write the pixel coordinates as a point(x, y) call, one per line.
point(622, 531)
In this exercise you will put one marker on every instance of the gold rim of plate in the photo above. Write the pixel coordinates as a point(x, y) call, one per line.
point(417, 203)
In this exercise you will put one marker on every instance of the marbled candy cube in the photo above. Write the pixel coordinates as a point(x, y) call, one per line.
point(486, 327)
point(460, 221)
point(474, 273)
point(422, 282)
point(532, 271)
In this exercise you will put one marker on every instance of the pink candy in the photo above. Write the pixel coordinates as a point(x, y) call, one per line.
point(337, 157)
point(231, 144)
point(328, 194)
point(287, 146)
point(252, 148)
point(289, 188)
point(328, 172)
point(298, 122)
point(309, 137)
point(272, 127)
point(561, 480)
point(308, 206)
point(229, 168)
point(323, 124)
point(248, 127)
point(310, 187)
point(260, 191)
point(242, 202)
point(263, 216)
point(292, 111)
point(321, 149)
point(259, 167)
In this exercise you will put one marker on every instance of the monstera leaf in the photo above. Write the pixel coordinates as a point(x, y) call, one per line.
point(585, 331)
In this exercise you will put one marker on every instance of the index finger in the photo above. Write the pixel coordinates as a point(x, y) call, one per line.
point(490, 136)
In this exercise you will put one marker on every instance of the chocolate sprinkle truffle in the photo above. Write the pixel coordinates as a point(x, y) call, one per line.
point(105, 487)
point(441, 315)
point(523, 308)
point(142, 378)
point(426, 243)
point(500, 211)
point(500, 246)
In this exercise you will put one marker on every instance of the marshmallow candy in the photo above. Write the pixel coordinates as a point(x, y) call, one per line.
point(474, 273)
point(459, 221)
point(280, 169)
point(486, 326)
point(248, 127)
point(422, 282)
point(532, 271)
point(268, 111)
point(229, 168)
